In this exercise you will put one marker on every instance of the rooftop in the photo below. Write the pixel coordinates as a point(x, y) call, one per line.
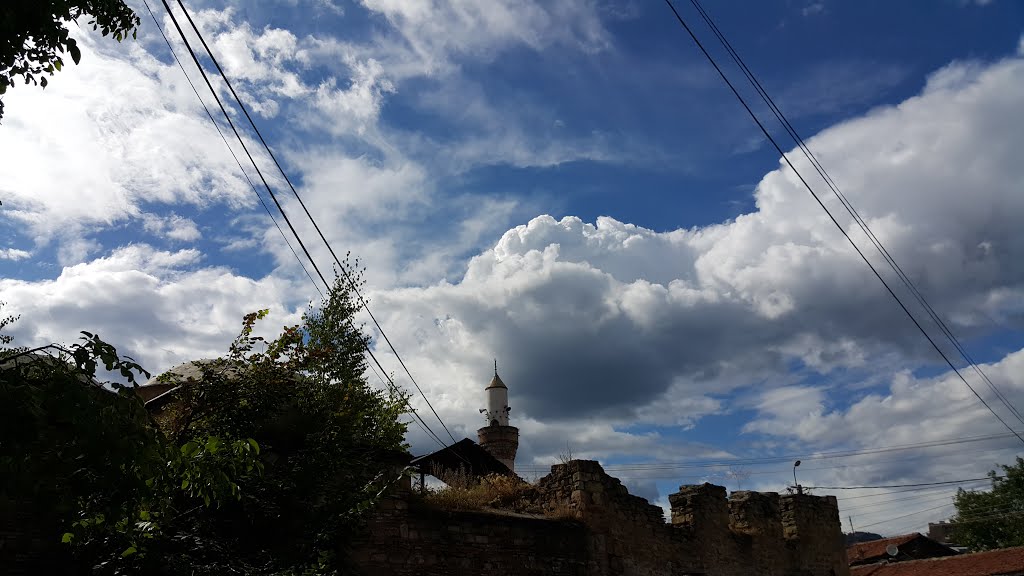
point(1005, 562)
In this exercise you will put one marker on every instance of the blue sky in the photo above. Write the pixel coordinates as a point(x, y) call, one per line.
point(569, 188)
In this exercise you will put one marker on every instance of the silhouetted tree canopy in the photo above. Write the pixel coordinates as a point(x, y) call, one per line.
point(34, 35)
point(994, 518)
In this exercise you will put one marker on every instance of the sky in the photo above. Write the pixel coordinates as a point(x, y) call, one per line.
point(568, 188)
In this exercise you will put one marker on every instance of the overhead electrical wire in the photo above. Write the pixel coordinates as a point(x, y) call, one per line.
point(295, 192)
point(230, 150)
point(790, 457)
point(246, 175)
point(273, 196)
point(917, 499)
point(947, 482)
point(818, 199)
point(994, 512)
point(669, 473)
point(891, 492)
point(861, 222)
point(905, 516)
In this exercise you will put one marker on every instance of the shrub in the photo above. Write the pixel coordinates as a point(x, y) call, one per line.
point(463, 491)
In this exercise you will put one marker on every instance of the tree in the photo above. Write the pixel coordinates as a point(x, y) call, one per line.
point(992, 519)
point(34, 35)
point(262, 465)
point(85, 464)
point(327, 437)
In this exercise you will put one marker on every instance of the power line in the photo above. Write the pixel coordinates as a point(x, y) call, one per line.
point(790, 457)
point(906, 515)
point(919, 499)
point(891, 492)
point(295, 192)
point(947, 482)
point(273, 196)
point(994, 512)
point(861, 222)
point(785, 157)
point(230, 150)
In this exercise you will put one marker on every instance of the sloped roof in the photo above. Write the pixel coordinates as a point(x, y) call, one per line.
point(863, 551)
point(1005, 562)
point(462, 455)
point(159, 390)
point(496, 383)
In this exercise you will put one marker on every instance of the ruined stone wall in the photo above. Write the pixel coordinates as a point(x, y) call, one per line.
point(629, 535)
point(617, 534)
point(421, 542)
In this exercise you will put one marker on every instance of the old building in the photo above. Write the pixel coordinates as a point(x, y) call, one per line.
point(1005, 562)
point(592, 526)
point(897, 549)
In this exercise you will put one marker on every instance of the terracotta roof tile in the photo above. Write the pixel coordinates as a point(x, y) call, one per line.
point(876, 548)
point(1005, 562)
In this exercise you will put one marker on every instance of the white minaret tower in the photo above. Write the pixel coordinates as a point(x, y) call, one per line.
point(497, 437)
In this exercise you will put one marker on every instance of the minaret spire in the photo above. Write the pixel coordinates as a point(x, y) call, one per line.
point(497, 436)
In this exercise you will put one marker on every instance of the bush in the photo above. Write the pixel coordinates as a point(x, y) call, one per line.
point(463, 491)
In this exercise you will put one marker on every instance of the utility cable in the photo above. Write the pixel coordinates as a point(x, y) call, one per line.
point(791, 457)
point(906, 515)
point(861, 222)
point(918, 499)
point(295, 192)
point(947, 482)
point(789, 163)
point(994, 512)
point(891, 492)
point(224, 138)
point(273, 196)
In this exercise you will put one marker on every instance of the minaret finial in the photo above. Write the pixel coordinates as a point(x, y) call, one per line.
point(495, 366)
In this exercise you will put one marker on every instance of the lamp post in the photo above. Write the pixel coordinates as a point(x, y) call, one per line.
point(799, 489)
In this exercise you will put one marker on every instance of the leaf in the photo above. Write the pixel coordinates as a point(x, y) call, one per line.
point(57, 64)
point(184, 483)
point(66, 539)
point(73, 49)
point(128, 552)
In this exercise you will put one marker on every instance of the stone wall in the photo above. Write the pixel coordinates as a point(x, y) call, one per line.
point(434, 543)
point(617, 534)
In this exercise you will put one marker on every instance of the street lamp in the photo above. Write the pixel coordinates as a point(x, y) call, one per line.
point(795, 483)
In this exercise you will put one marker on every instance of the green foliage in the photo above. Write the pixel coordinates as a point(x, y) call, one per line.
point(34, 35)
point(263, 464)
point(7, 339)
point(327, 436)
point(91, 461)
point(992, 519)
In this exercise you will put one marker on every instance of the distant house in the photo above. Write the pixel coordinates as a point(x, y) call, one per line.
point(942, 532)
point(1005, 562)
point(466, 456)
point(907, 547)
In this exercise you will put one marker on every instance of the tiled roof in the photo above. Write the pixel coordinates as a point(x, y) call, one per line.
point(1005, 562)
point(876, 548)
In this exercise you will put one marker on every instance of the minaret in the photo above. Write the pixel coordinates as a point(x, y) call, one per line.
point(497, 437)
